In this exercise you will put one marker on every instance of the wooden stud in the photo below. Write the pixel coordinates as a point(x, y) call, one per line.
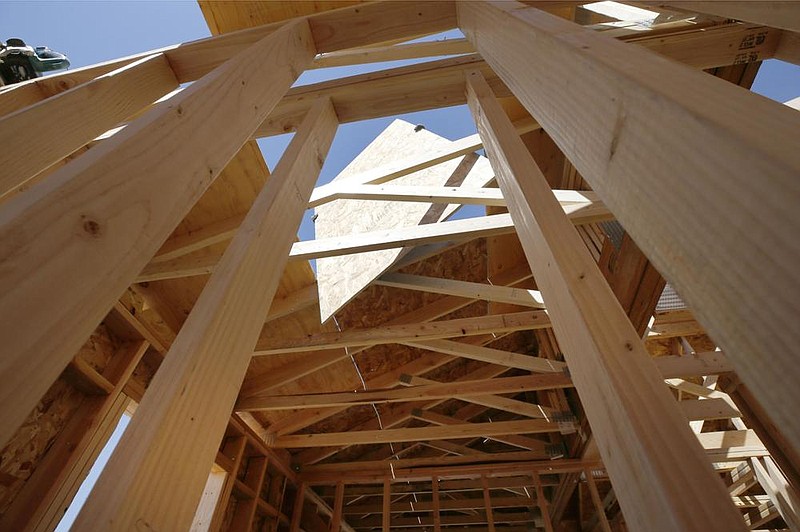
point(191, 396)
point(297, 509)
point(598, 503)
point(517, 321)
point(677, 210)
point(91, 226)
point(336, 518)
point(437, 520)
point(778, 14)
point(631, 412)
point(386, 521)
point(541, 502)
point(487, 502)
point(231, 458)
point(490, 355)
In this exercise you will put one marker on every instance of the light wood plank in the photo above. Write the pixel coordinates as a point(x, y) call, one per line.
point(151, 476)
point(43, 134)
point(490, 355)
point(492, 401)
point(450, 287)
point(632, 413)
point(336, 518)
point(81, 236)
point(518, 321)
point(444, 432)
point(776, 13)
point(541, 502)
point(377, 54)
point(423, 392)
point(487, 502)
point(669, 200)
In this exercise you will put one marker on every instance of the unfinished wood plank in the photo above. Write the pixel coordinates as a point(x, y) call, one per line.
point(376, 54)
point(487, 502)
point(517, 321)
point(386, 520)
point(450, 287)
point(491, 401)
point(412, 393)
point(437, 518)
point(490, 355)
point(336, 518)
point(612, 371)
point(444, 432)
point(598, 503)
point(541, 502)
point(190, 399)
point(697, 365)
point(778, 14)
point(297, 508)
point(92, 225)
point(631, 90)
point(43, 134)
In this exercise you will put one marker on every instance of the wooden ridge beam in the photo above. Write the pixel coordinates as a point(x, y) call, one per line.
point(377, 54)
point(620, 80)
point(149, 478)
point(387, 334)
point(631, 413)
point(425, 392)
point(82, 235)
point(444, 432)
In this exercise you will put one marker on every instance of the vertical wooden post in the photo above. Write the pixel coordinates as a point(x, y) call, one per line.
point(157, 473)
point(541, 502)
point(437, 519)
point(297, 509)
point(632, 414)
point(664, 183)
point(598, 503)
point(387, 505)
point(338, 502)
point(233, 449)
point(81, 236)
point(487, 502)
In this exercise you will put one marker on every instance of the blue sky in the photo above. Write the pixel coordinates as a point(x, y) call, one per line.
point(90, 32)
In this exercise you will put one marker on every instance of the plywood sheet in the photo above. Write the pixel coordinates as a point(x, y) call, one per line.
point(340, 279)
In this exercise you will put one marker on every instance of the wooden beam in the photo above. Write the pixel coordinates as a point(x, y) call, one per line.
point(475, 503)
point(491, 401)
point(193, 392)
point(297, 508)
point(331, 31)
point(386, 521)
point(423, 392)
point(377, 54)
point(388, 334)
point(450, 287)
point(598, 503)
point(437, 518)
point(336, 518)
point(487, 503)
point(92, 225)
point(490, 355)
point(631, 412)
point(777, 14)
point(541, 502)
point(43, 134)
point(656, 209)
point(467, 430)
point(169, 265)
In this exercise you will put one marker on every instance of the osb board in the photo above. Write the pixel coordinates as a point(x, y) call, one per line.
point(341, 278)
point(20, 456)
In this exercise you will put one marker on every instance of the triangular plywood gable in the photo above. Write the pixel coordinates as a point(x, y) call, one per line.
point(341, 278)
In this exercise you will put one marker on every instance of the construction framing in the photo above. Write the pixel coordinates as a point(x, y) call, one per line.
point(512, 370)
